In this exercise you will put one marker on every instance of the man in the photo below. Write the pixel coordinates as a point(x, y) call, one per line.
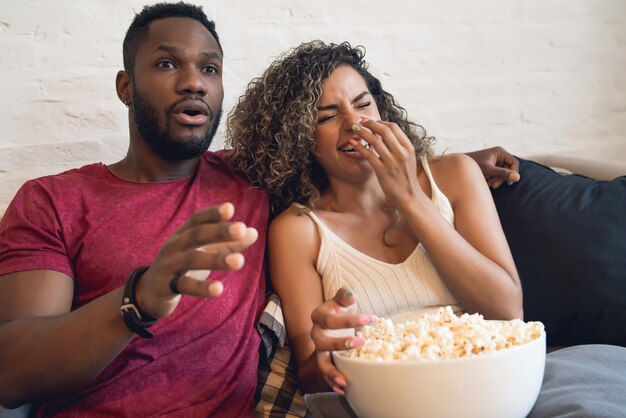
point(68, 244)
point(74, 296)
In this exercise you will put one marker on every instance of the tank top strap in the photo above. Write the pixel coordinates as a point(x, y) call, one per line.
point(327, 256)
point(310, 214)
point(439, 199)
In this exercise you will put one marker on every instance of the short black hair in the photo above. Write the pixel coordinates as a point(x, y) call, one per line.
point(138, 29)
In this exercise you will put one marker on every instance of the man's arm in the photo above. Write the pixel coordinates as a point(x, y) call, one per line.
point(47, 350)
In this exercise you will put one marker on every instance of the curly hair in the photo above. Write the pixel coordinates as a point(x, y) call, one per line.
point(271, 130)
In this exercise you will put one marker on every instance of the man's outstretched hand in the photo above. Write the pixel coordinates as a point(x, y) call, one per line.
point(209, 240)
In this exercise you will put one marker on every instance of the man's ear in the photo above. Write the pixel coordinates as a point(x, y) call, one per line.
point(124, 87)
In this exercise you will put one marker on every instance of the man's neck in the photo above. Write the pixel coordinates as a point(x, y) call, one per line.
point(143, 165)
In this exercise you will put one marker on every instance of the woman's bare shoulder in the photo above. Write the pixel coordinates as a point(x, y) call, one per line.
point(295, 227)
point(452, 163)
point(293, 236)
point(454, 172)
point(292, 218)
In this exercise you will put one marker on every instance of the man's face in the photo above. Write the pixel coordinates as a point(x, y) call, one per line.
point(177, 88)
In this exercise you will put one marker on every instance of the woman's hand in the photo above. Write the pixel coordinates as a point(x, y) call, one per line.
point(333, 329)
point(392, 156)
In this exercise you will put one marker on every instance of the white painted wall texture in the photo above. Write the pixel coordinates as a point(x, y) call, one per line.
point(535, 76)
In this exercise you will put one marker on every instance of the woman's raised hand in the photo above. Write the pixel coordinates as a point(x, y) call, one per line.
point(392, 156)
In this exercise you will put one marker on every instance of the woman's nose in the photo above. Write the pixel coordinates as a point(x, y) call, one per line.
point(353, 118)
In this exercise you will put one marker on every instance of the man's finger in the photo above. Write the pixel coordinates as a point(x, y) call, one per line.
point(201, 260)
point(513, 177)
point(200, 288)
point(500, 172)
point(214, 214)
point(203, 234)
point(495, 182)
point(231, 246)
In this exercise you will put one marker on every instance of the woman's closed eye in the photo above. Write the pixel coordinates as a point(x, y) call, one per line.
point(325, 118)
point(357, 106)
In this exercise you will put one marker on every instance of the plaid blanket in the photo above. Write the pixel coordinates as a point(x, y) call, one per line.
point(277, 394)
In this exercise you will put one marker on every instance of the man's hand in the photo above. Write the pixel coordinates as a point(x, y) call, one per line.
point(498, 166)
point(333, 329)
point(207, 241)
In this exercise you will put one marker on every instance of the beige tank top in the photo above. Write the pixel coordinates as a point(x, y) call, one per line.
point(386, 290)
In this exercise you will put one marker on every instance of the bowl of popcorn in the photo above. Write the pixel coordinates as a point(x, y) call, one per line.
point(445, 365)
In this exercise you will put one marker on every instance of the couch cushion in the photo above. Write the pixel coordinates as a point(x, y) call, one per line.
point(580, 381)
point(567, 234)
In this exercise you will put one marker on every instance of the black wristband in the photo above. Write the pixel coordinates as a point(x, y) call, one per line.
point(135, 319)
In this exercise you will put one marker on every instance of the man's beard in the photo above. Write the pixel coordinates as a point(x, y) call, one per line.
point(159, 139)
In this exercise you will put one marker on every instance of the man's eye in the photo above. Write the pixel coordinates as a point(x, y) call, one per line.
point(165, 64)
point(211, 69)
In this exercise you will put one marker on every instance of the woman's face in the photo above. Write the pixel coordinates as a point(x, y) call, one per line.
point(345, 101)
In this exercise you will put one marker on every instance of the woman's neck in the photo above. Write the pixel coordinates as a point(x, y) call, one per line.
point(362, 198)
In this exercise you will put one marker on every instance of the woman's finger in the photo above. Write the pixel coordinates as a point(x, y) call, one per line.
point(333, 377)
point(377, 151)
point(389, 136)
point(404, 140)
point(328, 342)
point(330, 319)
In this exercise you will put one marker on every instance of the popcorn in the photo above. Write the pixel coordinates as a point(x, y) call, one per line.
point(442, 335)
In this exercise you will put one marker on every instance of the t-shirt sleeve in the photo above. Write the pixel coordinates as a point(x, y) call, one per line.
point(31, 234)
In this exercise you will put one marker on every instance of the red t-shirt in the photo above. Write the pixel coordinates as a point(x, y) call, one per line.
point(96, 228)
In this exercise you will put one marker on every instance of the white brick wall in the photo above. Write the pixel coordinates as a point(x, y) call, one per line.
point(532, 75)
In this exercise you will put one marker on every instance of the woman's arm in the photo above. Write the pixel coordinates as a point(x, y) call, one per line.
point(474, 259)
point(293, 244)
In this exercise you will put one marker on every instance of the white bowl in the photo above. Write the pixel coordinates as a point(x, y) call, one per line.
point(501, 384)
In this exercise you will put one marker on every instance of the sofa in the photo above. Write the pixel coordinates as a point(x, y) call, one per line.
point(567, 234)
point(566, 225)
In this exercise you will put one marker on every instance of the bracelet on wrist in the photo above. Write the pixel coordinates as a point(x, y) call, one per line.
point(135, 319)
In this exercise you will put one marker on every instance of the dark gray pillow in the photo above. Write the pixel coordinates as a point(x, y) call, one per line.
point(583, 381)
point(567, 234)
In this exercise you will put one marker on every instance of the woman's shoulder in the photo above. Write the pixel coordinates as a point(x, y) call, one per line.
point(292, 220)
point(452, 172)
point(294, 231)
point(451, 162)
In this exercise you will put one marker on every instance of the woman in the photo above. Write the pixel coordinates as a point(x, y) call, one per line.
point(362, 205)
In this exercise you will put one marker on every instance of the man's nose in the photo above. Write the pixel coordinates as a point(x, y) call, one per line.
point(191, 81)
